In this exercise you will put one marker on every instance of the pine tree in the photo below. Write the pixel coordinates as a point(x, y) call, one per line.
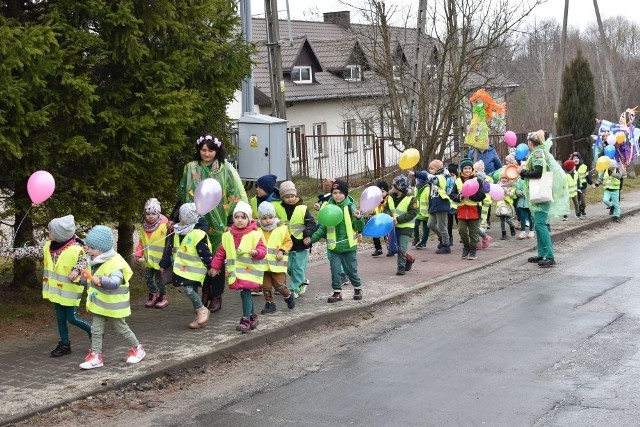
point(576, 112)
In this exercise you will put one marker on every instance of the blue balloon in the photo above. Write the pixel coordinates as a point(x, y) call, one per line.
point(378, 226)
point(522, 151)
point(610, 151)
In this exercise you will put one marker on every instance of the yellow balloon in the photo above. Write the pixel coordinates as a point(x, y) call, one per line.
point(620, 138)
point(602, 163)
point(409, 158)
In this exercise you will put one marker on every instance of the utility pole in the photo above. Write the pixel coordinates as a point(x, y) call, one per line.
point(275, 59)
point(563, 44)
point(247, 82)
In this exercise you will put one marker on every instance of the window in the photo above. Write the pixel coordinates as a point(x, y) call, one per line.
point(302, 75)
point(367, 130)
point(353, 73)
point(349, 137)
point(396, 72)
point(295, 141)
point(318, 138)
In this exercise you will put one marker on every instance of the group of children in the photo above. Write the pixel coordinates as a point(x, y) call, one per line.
point(269, 240)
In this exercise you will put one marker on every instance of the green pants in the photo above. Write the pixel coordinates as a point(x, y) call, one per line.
point(346, 262)
point(543, 236)
point(121, 327)
point(469, 230)
point(296, 268)
point(403, 243)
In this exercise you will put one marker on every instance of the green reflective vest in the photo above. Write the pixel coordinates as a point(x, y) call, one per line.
point(56, 286)
point(153, 246)
point(187, 263)
point(239, 264)
point(110, 302)
point(273, 244)
point(572, 183)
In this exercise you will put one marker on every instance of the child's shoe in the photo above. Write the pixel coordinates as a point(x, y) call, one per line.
point(163, 301)
point(611, 210)
point(244, 325)
point(445, 249)
point(421, 246)
point(303, 287)
point(270, 307)
point(253, 321)
point(136, 355)
point(522, 235)
point(93, 360)
point(546, 262)
point(486, 241)
point(153, 299)
point(504, 236)
point(512, 229)
point(472, 255)
point(377, 252)
point(291, 301)
point(530, 234)
point(465, 252)
point(337, 296)
point(357, 294)
point(408, 265)
point(62, 349)
point(400, 271)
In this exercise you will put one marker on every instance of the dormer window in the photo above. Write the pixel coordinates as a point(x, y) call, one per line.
point(353, 73)
point(302, 75)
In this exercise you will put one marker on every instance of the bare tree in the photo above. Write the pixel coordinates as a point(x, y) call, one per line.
point(462, 41)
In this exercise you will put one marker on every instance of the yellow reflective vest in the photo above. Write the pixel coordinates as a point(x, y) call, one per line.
point(274, 244)
point(352, 238)
point(240, 266)
point(153, 246)
point(56, 286)
point(402, 209)
point(572, 183)
point(277, 204)
point(423, 202)
point(582, 172)
point(296, 223)
point(110, 302)
point(187, 263)
point(609, 182)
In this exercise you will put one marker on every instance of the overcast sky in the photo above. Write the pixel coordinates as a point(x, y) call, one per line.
point(580, 11)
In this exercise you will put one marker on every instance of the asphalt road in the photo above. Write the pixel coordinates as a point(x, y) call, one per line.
point(559, 348)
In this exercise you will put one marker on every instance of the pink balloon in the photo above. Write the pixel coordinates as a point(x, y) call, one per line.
point(510, 138)
point(470, 187)
point(496, 192)
point(611, 139)
point(40, 186)
point(371, 197)
point(207, 195)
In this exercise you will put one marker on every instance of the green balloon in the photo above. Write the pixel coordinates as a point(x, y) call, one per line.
point(330, 215)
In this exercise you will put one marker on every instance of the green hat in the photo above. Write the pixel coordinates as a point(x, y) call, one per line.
point(465, 162)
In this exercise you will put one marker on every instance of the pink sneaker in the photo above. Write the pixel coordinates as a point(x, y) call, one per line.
point(153, 299)
point(93, 360)
point(486, 242)
point(136, 355)
point(162, 302)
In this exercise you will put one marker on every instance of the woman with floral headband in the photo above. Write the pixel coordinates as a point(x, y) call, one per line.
point(209, 162)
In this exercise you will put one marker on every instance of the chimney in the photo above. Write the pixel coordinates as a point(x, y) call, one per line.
point(341, 19)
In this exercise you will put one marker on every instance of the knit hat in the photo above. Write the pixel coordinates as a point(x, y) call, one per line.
point(267, 183)
point(62, 229)
point(510, 159)
point(100, 237)
point(383, 185)
point(569, 165)
point(341, 185)
point(288, 188)
point(478, 166)
point(436, 164)
point(188, 214)
point(265, 209)
point(401, 182)
point(465, 162)
point(420, 180)
point(245, 208)
point(152, 206)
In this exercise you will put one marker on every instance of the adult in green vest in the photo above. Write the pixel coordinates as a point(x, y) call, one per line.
point(107, 282)
point(209, 162)
point(63, 260)
point(402, 207)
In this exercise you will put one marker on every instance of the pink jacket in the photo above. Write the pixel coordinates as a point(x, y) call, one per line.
point(218, 260)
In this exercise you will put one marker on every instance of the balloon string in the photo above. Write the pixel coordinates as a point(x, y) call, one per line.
point(13, 240)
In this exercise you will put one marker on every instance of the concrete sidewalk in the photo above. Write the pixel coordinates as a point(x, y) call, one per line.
point(31, 381)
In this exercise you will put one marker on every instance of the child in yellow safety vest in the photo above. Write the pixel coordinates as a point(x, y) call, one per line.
point(275, 235)
point(107, 281)
point(611, 178)
point(64, 260)
point(342, 241)
point(377, 243)
point(403, 208)
point(572, 177)
point(190, 252)
point(149, 253)
point(244, 252)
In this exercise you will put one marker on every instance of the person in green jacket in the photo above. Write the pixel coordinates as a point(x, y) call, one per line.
point(342, 241)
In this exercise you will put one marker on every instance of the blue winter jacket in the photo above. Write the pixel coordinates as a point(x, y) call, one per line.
point(489, 157)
